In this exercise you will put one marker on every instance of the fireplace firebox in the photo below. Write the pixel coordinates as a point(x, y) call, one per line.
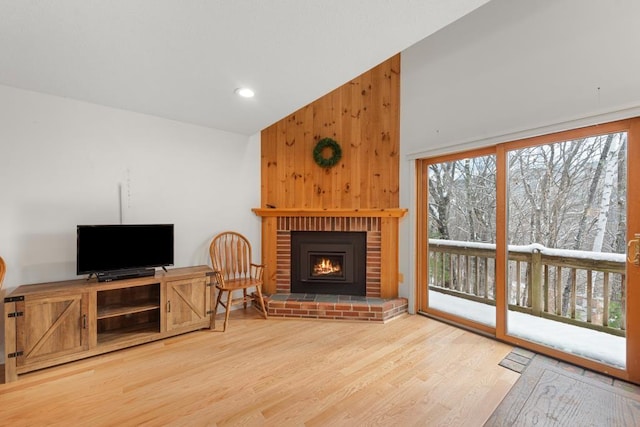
point(328, 262)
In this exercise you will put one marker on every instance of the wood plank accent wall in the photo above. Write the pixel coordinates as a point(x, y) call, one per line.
point(363, 116)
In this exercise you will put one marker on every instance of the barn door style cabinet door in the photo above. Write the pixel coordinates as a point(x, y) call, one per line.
point(188, 303)
point(49, 324)
point(50, 328)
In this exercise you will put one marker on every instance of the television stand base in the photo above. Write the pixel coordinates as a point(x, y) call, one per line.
point(125, 274)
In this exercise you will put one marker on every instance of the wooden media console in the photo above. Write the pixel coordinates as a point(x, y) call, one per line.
point(48, 324)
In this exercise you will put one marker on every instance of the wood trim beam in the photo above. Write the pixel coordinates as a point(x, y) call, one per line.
point(373, 213)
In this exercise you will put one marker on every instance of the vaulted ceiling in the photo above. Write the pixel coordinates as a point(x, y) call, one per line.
point(182, 60)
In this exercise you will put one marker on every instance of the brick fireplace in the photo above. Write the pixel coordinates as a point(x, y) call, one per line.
point(369, 226)
point(379, 298)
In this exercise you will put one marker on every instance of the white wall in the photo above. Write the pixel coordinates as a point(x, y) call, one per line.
point(511, 69)
point(62, 163)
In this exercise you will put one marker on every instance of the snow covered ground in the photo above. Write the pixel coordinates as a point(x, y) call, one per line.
point(595, 345)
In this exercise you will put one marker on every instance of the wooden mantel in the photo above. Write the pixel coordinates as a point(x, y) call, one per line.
point(388, 217)
point(351, 213)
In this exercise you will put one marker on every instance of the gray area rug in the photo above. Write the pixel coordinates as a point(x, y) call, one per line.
point(552, 393)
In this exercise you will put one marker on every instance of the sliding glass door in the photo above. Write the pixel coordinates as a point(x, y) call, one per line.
point(537, 242)
point(567, 232)
point(461, 238)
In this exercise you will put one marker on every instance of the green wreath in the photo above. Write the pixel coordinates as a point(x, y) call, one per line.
point(336, 153)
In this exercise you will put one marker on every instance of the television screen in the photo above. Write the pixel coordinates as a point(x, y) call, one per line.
point(106, 248)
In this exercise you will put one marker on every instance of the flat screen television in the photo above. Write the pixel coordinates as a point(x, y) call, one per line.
point(112, 252)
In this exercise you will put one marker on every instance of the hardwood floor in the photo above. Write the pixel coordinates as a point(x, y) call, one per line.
point(410, 371)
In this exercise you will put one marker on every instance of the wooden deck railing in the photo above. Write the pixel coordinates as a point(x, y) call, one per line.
point(578, 287)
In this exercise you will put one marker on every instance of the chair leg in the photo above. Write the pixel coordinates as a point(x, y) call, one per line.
point(215, 310)
point(226, 314)
point(244, 294)
point(261, 300)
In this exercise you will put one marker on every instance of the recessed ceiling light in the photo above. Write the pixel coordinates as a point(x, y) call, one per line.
point(245, 92)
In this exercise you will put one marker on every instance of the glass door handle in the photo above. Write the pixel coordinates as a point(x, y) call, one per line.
point(633, 250)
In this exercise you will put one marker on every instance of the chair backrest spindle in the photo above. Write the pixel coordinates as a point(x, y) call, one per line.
point(231, 255)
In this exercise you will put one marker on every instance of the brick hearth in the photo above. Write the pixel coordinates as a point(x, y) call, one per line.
point(335, 307)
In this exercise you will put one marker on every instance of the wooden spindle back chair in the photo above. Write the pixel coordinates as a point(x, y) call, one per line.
point(234, 271)
point(3, 269)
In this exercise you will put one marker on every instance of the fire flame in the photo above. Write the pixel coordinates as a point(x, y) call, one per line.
point(325, 266)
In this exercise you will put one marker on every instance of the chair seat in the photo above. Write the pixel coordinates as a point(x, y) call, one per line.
point(234, 284)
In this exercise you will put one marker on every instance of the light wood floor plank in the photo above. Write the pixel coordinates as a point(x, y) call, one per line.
point(279, 372)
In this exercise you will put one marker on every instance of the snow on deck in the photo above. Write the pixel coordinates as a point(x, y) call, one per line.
point(600, 346)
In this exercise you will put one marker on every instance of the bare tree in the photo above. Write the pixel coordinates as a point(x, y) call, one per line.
point(592, 193)
point(440, 185)
point(462, 196)
point(608, 182)
point(620, 237)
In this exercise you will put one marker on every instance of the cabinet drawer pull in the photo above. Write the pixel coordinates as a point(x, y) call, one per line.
point(168, 306)
point(84, 321)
